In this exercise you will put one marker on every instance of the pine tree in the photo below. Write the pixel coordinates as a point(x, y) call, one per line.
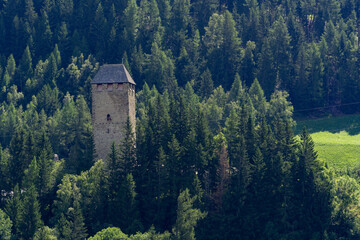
point(45, 233)
point(165, 12)
point(131, 24)
point(13, 208)
point(11, 66)
point(68, 211)
point(187, 217)
point(51, 71)
point(231, 49)
point(127, 149)
point(29, 214)
point(25, 70)
point(248, 68)
point(237, 91)
point(160, 70)
point(175, 165)
point(222, 173)
point(113, 168)
point(44, 35)
point(5, 226)
point(279, 41)
point(81, 153)
point(253, 28)
point(267, 71)
point(17, 153)
point(258, 100)
point(30, 14)
point(48, 99)
point(45, 154)
point(31, 176)
point(206, 84)
point(98, 32)
point(202, 10)
point(149, 24)
point(129, 214)
point(77, 222)
point(29, 148)
point(179, 21)
point(64, 228)
point(4, 169)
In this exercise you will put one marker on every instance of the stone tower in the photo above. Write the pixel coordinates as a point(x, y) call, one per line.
point(113, 100)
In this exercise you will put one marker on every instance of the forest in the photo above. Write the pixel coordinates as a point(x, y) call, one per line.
point(214, 157)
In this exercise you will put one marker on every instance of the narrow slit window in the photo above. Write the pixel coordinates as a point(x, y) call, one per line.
point(108, 118)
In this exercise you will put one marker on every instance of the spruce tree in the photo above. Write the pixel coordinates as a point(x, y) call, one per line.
point(129, 214)
point(131, 24)
point(4, 169)
point(248, 68)
point(31, 176)
point(78, 228)
point(258, 100)
point(13, 209)
point(17, 153)
point(25, 70)
point(187, 217)
point(29, 214)
point(5, 226)
point(11, 66)
point(206, 85)
point(127, 148)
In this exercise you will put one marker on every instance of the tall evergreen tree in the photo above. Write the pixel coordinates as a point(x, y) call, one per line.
point(17, 161)
point(187, 217)
point(29, 214)
point(5, 226)
point(25, 70)
point(127, 149)
point(131, 25)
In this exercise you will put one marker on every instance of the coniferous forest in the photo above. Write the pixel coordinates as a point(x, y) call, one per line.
point(214, 157)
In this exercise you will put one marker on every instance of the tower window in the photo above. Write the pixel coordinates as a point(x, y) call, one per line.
point(108, 118)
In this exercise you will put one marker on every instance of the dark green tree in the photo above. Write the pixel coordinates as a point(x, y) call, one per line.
point(127, 153)
point(29, 214)
point(187, 217)
point(131, 25)
point(17, 163)
point(150, 28)
point(81, 151)
point(248, 67)
point(206, 84)
point(25, 70)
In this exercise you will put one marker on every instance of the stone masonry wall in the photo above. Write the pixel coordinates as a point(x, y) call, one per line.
point(111, 105)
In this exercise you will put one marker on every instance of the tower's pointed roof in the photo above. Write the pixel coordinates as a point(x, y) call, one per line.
point(112, 73)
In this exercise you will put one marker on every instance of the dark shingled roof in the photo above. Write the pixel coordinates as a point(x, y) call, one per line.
point(112, 73)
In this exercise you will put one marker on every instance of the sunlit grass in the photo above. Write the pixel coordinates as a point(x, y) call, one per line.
point(339, 150)
point(337, 139)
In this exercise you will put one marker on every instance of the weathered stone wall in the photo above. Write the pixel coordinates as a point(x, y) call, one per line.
point(111, 105)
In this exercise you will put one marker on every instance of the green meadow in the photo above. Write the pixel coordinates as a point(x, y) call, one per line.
point(337, 139)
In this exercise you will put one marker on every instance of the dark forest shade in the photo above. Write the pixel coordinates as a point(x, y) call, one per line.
point(201, 125)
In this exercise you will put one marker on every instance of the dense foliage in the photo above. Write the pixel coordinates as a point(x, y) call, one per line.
point(215, 156)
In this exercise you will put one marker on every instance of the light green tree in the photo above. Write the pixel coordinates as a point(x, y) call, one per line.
point(5, 226)
point(187, 217)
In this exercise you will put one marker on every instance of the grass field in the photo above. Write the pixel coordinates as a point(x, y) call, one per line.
point(337, 139)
